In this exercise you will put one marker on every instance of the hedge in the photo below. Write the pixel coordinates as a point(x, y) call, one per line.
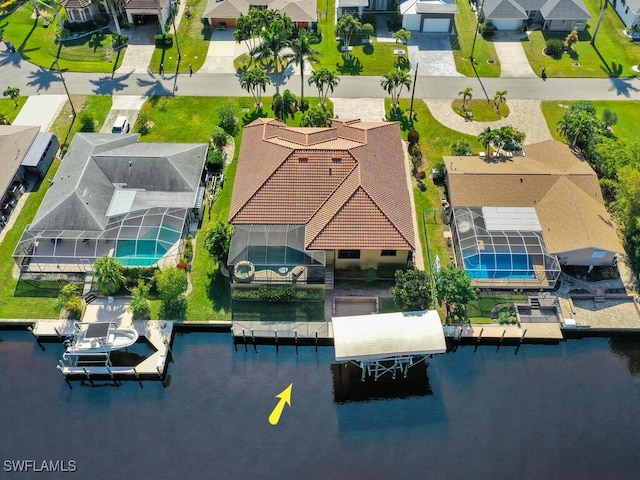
point(279, 293)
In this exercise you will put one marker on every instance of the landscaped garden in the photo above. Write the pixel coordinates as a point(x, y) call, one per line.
point(193, 40)
point(35, 39)
point(612, 56)
point(480, 310)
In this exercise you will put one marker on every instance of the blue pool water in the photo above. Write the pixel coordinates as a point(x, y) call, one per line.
point(563, 411)
point(499, 265)
point(145, 251)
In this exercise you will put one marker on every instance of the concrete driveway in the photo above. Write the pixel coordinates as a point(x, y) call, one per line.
point(138, 54)
point(513, 60)
point(222, 50)
point(433, 54)
point(127, 105)
point(366, 109)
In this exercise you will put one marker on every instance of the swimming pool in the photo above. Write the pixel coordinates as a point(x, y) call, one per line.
point(147, 250)
point(489, 264)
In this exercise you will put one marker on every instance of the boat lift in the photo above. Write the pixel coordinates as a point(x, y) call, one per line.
point(389, 342)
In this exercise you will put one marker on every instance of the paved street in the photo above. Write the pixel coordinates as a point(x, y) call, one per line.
point(34, 80)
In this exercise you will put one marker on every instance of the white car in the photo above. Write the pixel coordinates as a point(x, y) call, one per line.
point(121, 125)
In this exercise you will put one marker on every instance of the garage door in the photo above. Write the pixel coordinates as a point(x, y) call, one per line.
point(436, 25)
point(508, 24)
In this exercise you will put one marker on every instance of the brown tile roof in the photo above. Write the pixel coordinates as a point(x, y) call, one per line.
point(560, 185)
point(298, 10)
point(144, 4)
point(346, 183)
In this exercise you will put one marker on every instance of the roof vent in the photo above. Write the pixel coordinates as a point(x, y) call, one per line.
point(130, 163)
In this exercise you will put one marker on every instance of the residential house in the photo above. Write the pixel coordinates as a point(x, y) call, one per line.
point(303, 13)
point(80, 10)
point(629, 12)
point(359, 7)
point(429, 15)
point(148, 11)
point(563, 15)
point(516, 220)
point(23, 151)
point(308, 200)
point(115, 196)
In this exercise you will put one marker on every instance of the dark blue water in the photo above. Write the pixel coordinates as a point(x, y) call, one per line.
point(552, 412)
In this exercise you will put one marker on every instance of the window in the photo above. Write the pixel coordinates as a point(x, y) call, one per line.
point(336, 160)
point(348, 253)
point(303, 160)
point(388, 253)
point(598, 254)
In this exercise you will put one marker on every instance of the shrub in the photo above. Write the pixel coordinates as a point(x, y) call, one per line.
point(421, 175)
point(388, 271)
point(219, 138)
point(215, 160)
point(87, 122)
point(144, 124)
point(119, 41)
point(227, 119)
point(414, 150)
point(554, 47)
point(439, 173)
point(413, 137)
point(487, 30)
point(280, 293)
point(507, 315)
point(609, 189)
point(369, 275)
point(140, 308)
point(461, 148)
point(182, 265)
point(164, 41)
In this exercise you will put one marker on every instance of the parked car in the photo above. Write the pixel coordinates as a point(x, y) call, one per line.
point(121, 125)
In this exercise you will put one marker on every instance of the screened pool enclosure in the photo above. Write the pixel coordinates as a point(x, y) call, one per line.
point(503, 247)
point(137, 239)
point(274, 254)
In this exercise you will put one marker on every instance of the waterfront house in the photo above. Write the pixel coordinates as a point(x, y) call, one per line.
point(308, 200)
point(115, 196)
point(516, 220)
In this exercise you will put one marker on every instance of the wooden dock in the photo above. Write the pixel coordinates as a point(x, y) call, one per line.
point(540, 332)
point(288, 332)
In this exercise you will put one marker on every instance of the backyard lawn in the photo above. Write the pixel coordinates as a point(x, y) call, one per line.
point(193, 40)
point(613, 55)
point(37, 44)
point(373, 59)
point(486, 59)
point(479, 310)
point(627, 110)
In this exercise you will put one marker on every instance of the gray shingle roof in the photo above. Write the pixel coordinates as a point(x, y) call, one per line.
point(565, 10)
point(550, 9)
point(162, 175)
point(494, 9)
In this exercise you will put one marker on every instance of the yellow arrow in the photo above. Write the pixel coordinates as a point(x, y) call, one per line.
point(285, 397)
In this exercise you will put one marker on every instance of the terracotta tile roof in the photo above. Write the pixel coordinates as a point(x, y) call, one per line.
point(346, 183)
point(560, 185)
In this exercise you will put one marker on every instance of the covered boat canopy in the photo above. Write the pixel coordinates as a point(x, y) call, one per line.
point(387, 335)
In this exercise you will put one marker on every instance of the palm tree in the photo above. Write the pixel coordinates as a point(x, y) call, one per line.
point(577, 126)
point(284, 105)
point(109, 276)
point(4, 119)
point(393, 82)
point(500, 98)
point(13, 93)
point(301, 48)
point(248, 28)
point(325, 80)
point(255, 82)
point(347, 26)
point(275, 38)
point(467, 94)
point(487, 137)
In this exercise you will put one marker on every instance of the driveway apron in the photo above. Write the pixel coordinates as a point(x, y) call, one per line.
point(433, 54)
point(138, 54)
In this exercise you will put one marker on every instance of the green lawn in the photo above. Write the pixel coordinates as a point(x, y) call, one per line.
point(9, 108)
point(37, 44)
point(97, 105)
point(193, 39)
point(626, 129)
point(24, 300)
point(613, 55)
point(486, 60)
point(266, 311)
point(479, 311)
point(374, 59)
point(387, 305)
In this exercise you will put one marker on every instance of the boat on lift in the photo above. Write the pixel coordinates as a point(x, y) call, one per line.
point(100, 337)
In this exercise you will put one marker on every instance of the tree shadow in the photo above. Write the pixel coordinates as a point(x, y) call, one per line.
point(108, 85)
point(253, 115)
point(614, 70)
point(351, 65)
point(219, 292)
point(622, 87)
point(42, 79)
point(154, 87)
point(96, 41)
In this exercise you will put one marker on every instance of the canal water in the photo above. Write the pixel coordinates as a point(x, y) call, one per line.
point(550, 412)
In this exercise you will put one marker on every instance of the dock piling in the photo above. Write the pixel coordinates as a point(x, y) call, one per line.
point(316, 341)
point(253, 338)
point(86, 372)
point(135, 372)
point(480, 334)
point(275, 336)
point(233, 339)
point(244, 340)
point(295, 333)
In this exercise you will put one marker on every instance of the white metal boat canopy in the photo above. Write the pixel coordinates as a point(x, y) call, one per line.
point(376, 337)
